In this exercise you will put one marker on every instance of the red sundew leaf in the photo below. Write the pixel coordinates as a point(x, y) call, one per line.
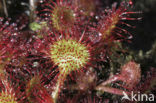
point(61, 15)
point(36, 93)
point(131, 74)
point(8, 92)
point(108, 26)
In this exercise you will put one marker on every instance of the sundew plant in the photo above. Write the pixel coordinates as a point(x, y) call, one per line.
point(73, 51)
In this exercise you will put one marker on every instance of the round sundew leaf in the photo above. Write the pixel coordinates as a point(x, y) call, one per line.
point(6, 97)
point(69, 55)
point(62, 18)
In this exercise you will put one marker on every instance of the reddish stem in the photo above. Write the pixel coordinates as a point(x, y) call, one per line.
point(111, 90)
point(112, 79)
